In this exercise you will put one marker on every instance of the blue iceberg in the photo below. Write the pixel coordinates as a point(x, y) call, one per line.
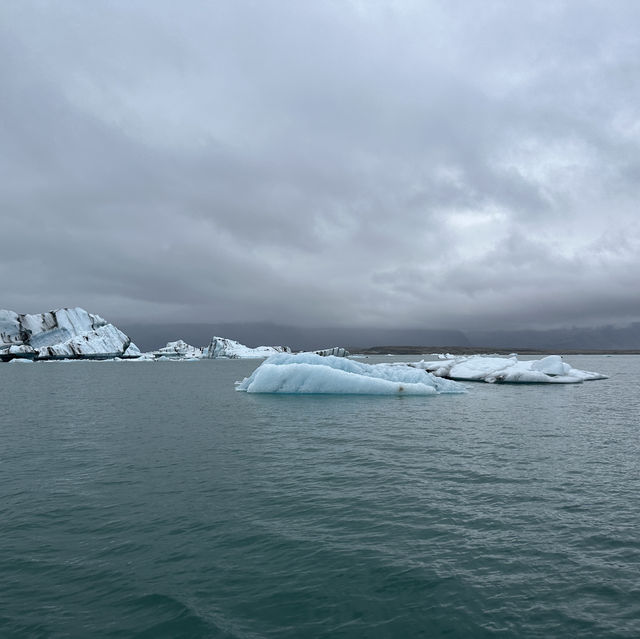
point(308, 373)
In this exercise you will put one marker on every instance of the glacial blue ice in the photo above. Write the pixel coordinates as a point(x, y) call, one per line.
point(308, 373)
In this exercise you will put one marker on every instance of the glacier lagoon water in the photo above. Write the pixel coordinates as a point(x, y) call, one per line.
point(152, 500)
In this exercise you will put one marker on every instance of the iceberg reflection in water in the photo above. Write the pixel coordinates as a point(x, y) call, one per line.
point(308, 373)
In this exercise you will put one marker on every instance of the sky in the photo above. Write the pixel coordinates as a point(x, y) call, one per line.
point(436, 164)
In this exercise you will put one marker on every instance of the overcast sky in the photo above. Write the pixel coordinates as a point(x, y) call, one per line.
point(378, 163)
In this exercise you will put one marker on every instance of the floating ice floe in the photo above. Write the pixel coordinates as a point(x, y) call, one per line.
point(309, 373)
point(479, 368)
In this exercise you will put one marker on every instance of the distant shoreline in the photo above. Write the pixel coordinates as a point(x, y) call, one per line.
point(484, 350)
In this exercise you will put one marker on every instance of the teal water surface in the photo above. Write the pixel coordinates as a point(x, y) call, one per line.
point(152, 500)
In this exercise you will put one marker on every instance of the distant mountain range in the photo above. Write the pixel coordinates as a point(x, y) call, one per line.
point(151, 336)
point(595, 338)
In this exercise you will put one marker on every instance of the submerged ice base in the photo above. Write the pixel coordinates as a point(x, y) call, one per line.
point(308, 373)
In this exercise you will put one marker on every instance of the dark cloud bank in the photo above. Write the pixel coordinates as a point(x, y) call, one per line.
point(459, 166)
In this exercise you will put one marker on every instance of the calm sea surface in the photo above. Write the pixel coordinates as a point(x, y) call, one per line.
point(152, 500)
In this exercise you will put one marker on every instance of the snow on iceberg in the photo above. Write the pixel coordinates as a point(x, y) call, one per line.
point(480, 368)
point(309, 373)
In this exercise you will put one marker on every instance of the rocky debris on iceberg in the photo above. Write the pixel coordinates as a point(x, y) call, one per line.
point(480, 368)
point(336, 351)
point(66, 333)
point(309, 373)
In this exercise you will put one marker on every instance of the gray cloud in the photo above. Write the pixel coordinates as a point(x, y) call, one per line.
point(395, 164)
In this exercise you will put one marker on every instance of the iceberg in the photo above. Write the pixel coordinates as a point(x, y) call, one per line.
point(336, 351)
point(66, 333)
point(223, 348)
point(178, 350)
point(218, 348)
point(480, 368)
point(310, 373)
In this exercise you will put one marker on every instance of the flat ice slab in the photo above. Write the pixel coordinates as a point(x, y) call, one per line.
point(308, 373)
point(479, 368)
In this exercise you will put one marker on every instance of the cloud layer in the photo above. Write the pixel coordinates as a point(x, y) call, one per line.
point(405, 164)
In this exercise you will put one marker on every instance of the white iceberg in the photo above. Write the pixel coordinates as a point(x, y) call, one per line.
point(63, 333)
point(218, 348)
point(178, 350)
point(336, 351)
point(480, 368)
point(223, 348)
point(309, 373)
